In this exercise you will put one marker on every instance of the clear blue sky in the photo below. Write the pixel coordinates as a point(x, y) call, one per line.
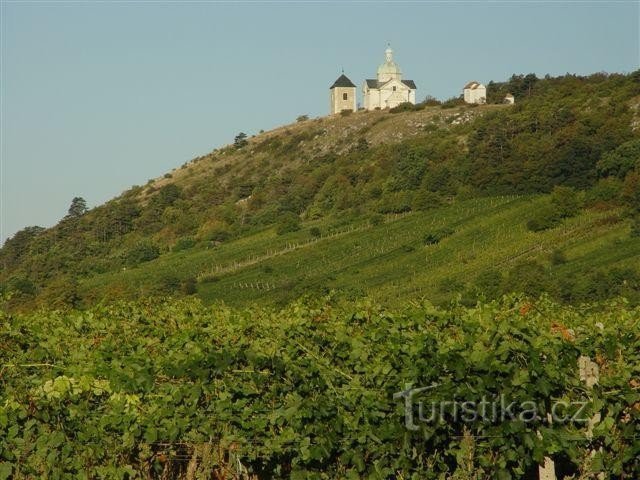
point(97, 97)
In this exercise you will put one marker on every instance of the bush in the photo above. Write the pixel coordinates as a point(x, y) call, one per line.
point(289, 222)
point(184, 243)
point(142, 252)
point(302, 118)
point(315, 232)
point(635, 227)
point(403, 107)
point(558, 257)
point(529, 278)
point(189, 286)
point(346, 112)
point(432, 238)
point(565, 202)
point(489, 284)
point(426, 200)
point(376, 219)
point(544, 218)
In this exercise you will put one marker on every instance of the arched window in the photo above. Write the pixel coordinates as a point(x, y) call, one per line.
point(344, 96)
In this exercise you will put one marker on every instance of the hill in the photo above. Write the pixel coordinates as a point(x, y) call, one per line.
point(437, 200)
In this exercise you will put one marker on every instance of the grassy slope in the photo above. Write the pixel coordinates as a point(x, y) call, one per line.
point(387, 261)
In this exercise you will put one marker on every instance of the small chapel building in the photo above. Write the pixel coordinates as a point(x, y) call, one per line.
point(475, 92)
point(388, 90)
point(342, 95)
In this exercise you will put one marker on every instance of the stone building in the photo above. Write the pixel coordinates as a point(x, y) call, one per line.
point(508, 98)
point(342, 95)
point(388, 90)
point(475, 92)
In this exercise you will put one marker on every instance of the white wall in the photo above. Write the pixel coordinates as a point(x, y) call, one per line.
point(338, 104)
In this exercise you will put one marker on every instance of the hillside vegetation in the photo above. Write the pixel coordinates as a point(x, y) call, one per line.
point(436, 200)
point(157, 390)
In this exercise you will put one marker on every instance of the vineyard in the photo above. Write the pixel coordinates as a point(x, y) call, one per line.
point(177, 389)
point(390, 260)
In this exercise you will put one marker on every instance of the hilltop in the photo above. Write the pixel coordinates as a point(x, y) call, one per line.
point(436, 200)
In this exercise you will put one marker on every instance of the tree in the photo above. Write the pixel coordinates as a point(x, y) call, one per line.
point(240, 140)
point(565, 201)
point(289, 222)
point(77, 208)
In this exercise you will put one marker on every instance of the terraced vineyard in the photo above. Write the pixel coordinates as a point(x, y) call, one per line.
point(391, 261)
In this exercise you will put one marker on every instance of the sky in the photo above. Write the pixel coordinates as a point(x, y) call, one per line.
point(98, 96)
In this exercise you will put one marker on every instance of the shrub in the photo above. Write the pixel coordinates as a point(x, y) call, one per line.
point(403, 107)
point(432, 238)
point(289, 222)
point(142, 252)
point(346, 112)
point(315, 232)
point(22, 285)
point(635, 227)
point(527, 277)
point(558, 257)
point(489, 284)
point(189, 286)
point(376, 219)
point(546, 217)
point(565, 201)
point(426, 200)
point(302, 118)
point(184, 243)
point(606, 190)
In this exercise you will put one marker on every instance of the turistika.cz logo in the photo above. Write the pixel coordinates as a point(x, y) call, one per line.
point(497, 409)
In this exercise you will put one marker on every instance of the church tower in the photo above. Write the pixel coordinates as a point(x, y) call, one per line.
point(342, 95)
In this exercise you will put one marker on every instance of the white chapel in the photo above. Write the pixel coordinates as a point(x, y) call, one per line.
point(388, 90)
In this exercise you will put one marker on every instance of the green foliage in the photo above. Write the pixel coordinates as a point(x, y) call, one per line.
point(142, 252)
point(189, 286)
point(302, 118)
point(432, 238)
point(346, 112)
point(565, 201)
point(566, 131)
point(184, 243)
point(620, 161)
point(132, 390)
point(315, 232)
point(426, 200)
point(240, 140)
point(288, 222)
point(403, 107)
point(544, 218)
point(77, 208)
point(528, 277)
point(558, 257)
point(635, 227)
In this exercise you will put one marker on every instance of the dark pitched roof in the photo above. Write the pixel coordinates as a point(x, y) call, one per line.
point(342, 81)
point(375, 84)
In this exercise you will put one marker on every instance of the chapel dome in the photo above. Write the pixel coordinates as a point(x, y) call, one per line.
point(389, 69)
